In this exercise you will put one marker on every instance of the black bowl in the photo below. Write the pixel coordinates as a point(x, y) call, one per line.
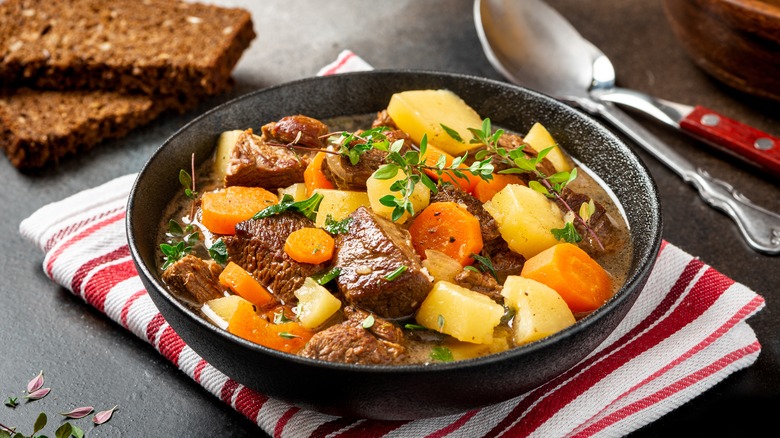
point(408, 391)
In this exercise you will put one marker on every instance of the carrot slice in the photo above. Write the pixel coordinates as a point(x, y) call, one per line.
point(223, 209)
point(579, 279)
point(242, 283)
point(447, 227)
point(309, 245)
point(432, 156)
point(485, 190)
point(289, 336)
point(314, 177)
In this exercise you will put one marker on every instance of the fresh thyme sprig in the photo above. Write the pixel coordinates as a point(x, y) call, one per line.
point(188, 182)
point(549, 185)
point(413, 165)
point(180, 243)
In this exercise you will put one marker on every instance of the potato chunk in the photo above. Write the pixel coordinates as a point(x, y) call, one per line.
point(419, 112)
point(220, 310)
point(525, 219)
point(539, 310)
point(377, 188)
point(315, 304)
point(339, 204)
point(461, 313)
point(539, 139)
point(297, 191)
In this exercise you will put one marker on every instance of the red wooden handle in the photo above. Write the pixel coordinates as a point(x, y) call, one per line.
point(746, 142)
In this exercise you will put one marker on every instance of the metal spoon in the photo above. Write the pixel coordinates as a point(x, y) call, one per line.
point(532, 45)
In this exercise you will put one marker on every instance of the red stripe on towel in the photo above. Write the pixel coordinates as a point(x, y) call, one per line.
point(78, 237)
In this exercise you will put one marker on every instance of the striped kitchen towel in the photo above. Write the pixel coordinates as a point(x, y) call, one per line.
point(686, 332)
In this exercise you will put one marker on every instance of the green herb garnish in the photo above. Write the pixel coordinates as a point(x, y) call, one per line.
point(324, 278)
point(307, 207)
point(442, 354)
point(415, 327)
point(353, 145)
point(396, 273)
point(567, 234)
point(368, 322)
point(337, 227)
point(413, 167)
point(180, 243)
point(287, 335)
point(188, 183)
point(485, 264)
point(218, 251)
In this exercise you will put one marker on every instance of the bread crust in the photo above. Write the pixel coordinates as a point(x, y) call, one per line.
point(76, 72)
point(150, 46)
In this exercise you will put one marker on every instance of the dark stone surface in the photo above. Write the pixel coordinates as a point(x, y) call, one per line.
point(88, 359)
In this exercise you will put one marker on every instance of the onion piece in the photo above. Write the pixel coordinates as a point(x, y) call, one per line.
point(441, 266)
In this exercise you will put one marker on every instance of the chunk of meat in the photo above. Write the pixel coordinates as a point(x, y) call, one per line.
point(194, 278)
point(372, 249)
point(255, 163)
point(383, 119)
point(350, 342)
point(505, 261)
point(481, 282)
point(258, 247)
point(346, 176)
point(382, 328)
point(298, 129)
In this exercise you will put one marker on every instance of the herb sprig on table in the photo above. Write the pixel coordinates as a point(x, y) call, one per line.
point(36, 391)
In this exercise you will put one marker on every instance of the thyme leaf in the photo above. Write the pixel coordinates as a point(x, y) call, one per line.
point(452, 133)
point(485, 264)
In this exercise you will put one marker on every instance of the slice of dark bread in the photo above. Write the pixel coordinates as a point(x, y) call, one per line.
point(40, 127)
point(149, 46)
point(138, 58)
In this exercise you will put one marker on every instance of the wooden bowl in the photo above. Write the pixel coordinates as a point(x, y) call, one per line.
point(736, 41)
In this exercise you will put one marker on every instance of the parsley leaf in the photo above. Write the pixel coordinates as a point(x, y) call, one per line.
point(307, 207)
point(337, 227)
point(442, 354)
point(218, 251)
point(325, 277)
point(567, 234)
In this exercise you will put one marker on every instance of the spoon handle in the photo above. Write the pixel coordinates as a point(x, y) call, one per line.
point(759, 227)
